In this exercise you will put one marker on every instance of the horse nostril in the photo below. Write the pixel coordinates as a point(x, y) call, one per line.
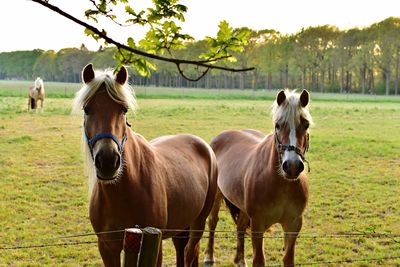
point(301, 166)
point(285, 166)
point(117, 161)
point(97, 161)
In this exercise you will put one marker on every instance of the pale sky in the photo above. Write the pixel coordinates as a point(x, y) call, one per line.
point(25, 25)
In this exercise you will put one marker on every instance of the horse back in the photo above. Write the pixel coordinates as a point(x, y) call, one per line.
point(236, 139)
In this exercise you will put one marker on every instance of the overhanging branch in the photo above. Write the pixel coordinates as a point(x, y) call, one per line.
point(109, 40)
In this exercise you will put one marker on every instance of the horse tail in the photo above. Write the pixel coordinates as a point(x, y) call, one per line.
point(232, 209)
point(33, 103)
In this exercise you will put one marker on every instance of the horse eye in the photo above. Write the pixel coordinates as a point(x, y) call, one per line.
point(306, 125)
point(86, 110)
point(277, 126)
point(124, 110)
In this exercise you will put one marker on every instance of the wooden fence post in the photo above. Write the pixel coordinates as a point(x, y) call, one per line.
point(131, 248)
point(151, 241)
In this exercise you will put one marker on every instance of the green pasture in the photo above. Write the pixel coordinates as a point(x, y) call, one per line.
point(354, 181)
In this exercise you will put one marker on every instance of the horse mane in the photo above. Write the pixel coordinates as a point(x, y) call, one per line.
point(290, 109)
point(122, 94)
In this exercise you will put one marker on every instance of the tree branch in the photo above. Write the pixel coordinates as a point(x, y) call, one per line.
point(191, 79)
point(107, 15)
point(103, 35)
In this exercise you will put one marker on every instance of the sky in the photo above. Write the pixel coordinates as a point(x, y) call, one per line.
point(25, 25)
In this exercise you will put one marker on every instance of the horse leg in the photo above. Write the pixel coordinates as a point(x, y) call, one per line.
point(29, 103)
point(241, 225)
point(291, 230)
point(193, 247)
point(109, 254)
point(212, 224)
point(257, 231)
point(180, 242)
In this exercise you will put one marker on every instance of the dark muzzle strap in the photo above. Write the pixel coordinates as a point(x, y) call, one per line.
point(92, 141)
point(283, 147)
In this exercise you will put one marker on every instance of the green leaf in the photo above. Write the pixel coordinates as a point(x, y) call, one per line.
point(131, 42)
point(89, 32)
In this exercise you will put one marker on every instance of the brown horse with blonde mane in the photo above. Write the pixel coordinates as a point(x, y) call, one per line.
point(262, 178)
point(168, 183)
point(36, 93)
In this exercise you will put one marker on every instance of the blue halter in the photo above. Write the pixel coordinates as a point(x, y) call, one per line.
point(92, 141)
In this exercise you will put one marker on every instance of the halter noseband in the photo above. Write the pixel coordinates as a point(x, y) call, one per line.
point(92, 141)
point(286, 147)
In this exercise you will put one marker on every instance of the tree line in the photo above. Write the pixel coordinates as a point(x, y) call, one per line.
point(321, 59)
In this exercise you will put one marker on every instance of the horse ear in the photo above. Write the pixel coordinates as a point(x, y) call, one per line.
point(304, 98)
point(88, 73)
point(122, 75)
point(280, 97)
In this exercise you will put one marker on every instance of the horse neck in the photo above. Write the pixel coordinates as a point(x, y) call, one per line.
point(139, 157)
point(267, 150)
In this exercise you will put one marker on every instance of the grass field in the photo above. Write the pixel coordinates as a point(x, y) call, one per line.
point(354, 179)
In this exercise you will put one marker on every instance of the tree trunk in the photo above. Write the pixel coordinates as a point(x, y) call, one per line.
point(241, 81)
point(363, 74)
point(322, 81)
point(286, 75)
point(254, 80)
point(341, 79)
point(372, 87)
point(396, 82)
point(387, 78)
point(269, 80)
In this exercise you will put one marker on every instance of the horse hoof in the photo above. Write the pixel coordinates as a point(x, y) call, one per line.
point(208, 263)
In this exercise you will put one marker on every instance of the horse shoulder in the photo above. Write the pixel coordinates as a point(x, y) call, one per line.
point(233, 149)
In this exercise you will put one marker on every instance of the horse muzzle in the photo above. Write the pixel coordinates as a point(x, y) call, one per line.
point(107, 160)
point(292, 169)
point(106, 151)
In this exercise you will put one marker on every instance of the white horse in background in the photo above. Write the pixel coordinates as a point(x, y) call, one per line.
point(36, 93)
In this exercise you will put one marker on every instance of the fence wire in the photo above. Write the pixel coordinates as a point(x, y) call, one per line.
point(219, 234)
point(225, 234)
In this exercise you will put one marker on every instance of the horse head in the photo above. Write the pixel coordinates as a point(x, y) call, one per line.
point(38, 84)
point(105, 104)
point(292, 120)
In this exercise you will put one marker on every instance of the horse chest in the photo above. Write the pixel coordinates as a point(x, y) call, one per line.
point(121, 211)
point(277, 202)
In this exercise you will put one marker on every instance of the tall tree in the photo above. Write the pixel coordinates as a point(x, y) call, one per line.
point(387, 38)
point(46, 67)
point(268, 55)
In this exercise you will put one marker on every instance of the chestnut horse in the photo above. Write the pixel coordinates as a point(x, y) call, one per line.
point(168, 183)
point(262, 180)
point(36, 93)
